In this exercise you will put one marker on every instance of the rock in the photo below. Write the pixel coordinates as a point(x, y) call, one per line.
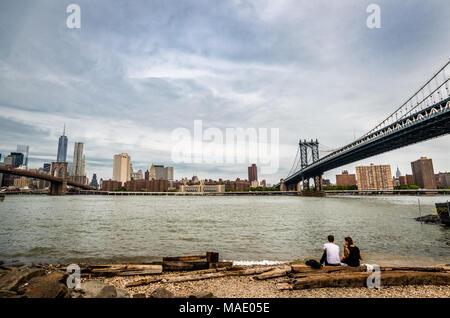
point(13, 277)
point(8, 294)
point(202, 294)
point(94, 289)
point(122, 293)
point(161, 293)
point(52, 285)
point(139, 295)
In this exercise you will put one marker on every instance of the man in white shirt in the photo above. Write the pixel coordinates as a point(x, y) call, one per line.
point(330, 253)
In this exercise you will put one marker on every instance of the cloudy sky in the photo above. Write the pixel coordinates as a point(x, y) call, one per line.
point(137, 70)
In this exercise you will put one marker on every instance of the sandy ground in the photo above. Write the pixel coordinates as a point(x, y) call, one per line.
point(246, 287)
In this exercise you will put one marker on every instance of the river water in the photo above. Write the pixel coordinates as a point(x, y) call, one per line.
point(244, 229)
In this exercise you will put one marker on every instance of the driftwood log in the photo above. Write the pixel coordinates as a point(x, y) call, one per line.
point(359, 279)
point(201, 276)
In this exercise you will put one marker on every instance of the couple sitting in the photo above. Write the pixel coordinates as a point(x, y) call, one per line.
point(352, 254)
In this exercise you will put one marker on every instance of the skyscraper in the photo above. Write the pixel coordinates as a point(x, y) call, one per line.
point(77, 163)
point(398, 173)
point(62, 147)
point(374, 177)
point(423, 173)
point(252, 173)
point(94, 182)
point(24, 149)
point(157, 172)
point(122, 168)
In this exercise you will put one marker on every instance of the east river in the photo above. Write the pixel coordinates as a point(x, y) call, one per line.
point(40, 228)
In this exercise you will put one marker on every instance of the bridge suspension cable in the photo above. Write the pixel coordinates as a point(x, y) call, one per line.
point(430, 93)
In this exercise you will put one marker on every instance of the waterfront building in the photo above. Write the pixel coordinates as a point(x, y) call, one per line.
point(202, 187)
point(122, 168)
point(156, 185)
point(147, 175)
point(22, 183)
point(24, 149)
point(443, 179)
point(263, 183)
point(252, 173)
point(423, 173)
point(374, 177)
point(345, 179)
point(61, 155)
point(111, 185)
point(326, 182)
point(409, 179)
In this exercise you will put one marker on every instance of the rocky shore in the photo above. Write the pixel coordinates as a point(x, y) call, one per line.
point(282, 281)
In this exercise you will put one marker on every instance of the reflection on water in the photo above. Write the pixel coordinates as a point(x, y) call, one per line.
point(104, 229)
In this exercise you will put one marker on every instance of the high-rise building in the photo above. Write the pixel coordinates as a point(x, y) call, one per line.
point(157, 172)
point(444, 179)
point(17, 159)
point(24, 149)
point(398, 173)
point(423, 173)
point(122, 168)
point(62, 147)
point(374, 177)
point(77, 163)
point(345, 179)
point(94, 182)
point(168, 173)
point(47, 167)
point(252, 173)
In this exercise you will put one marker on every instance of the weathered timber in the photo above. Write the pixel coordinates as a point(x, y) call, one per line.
point(274, 273)
point(122, 269)
point(396, 278)
point(183, 258)
point(191, 266)
point(202, 276)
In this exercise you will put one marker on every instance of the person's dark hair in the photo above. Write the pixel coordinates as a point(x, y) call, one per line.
point(330, 238)
point(349, 240)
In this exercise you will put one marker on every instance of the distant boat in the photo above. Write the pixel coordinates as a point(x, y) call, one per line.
point(443, 212)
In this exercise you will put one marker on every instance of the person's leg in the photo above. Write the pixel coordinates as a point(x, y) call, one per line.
point(324, 258)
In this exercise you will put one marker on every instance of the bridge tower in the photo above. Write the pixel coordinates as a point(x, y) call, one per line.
point(59, 169)
point(304, 162)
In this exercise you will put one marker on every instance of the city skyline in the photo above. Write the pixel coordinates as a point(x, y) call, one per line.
point(128, 94)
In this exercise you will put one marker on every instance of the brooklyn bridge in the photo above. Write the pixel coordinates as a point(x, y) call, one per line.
point(423, 116)
point(58, 177)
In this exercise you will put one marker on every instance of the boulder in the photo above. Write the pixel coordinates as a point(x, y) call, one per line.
point(161, 293)
point(13, 277)
point(202, 294)
point(94, 289)
point(8, 294)
point(52, 285)
point(139, 295)
point(122, 293)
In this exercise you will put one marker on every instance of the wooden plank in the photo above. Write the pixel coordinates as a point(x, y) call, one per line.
point(397, 278)
point(183, 258)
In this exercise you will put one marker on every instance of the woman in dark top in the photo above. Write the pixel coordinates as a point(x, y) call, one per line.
point(352, 254)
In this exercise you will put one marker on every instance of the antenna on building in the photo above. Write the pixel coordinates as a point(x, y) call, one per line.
point(64, 131)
